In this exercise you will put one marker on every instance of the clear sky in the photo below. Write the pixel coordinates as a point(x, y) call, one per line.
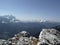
point(28, 10)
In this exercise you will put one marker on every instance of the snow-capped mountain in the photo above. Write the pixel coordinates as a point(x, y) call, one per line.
point(8, 19)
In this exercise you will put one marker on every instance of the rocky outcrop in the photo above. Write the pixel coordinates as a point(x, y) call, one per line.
point(49, 37)
point(22, 38)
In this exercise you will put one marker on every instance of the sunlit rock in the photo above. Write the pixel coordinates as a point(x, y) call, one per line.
point(24, 41)
point(49, 37)
point(24, 34)
point(2, 41)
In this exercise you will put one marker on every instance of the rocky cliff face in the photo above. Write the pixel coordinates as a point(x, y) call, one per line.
point(49, 37)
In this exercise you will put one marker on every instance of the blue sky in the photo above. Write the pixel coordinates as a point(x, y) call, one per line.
point(31, 10)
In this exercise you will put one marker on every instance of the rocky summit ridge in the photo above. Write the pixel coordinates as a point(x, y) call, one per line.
point(46, 37)
point(49, 37)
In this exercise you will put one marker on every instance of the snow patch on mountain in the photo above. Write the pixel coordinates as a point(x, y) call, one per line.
point(8, 19)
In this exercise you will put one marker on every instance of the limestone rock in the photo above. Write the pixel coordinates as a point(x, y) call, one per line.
point(49, 37)
point(25, 34)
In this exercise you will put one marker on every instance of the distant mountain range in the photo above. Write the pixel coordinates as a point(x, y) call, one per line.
point(9, 26)
point(8, 19)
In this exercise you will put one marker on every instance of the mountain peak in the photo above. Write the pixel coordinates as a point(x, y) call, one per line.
point(8, 19)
